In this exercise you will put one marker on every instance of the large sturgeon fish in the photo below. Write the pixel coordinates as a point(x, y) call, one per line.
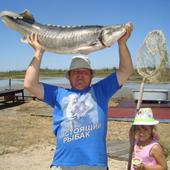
point(64, 39)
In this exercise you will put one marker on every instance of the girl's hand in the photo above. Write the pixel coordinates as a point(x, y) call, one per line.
point(138, 167)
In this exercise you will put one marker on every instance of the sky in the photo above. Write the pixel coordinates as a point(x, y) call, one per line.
point(145, 15)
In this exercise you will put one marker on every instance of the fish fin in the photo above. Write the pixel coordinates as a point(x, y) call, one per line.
point(93, 44)
point(24, 40)
point(27, 16)
point(88, 48)
point(85, 50)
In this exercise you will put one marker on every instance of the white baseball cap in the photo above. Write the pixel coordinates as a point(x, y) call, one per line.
point(78, 62)
point(145, 117)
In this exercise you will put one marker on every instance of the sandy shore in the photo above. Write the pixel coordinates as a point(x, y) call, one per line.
point(39, 158)
point(27, 142)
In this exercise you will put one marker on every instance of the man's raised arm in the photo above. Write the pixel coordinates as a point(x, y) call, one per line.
point(31, 81)
point(125, 63)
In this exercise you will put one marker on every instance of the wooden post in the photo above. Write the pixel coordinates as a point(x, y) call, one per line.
point(9, 83)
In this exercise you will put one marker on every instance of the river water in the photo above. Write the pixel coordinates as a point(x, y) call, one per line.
point(4, 83)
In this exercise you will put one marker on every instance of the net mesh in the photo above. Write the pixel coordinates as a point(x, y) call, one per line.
point(152, 59)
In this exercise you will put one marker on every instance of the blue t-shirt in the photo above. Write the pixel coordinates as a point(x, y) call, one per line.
point(80, 122)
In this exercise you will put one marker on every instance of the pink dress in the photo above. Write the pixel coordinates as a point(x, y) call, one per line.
point(144, 153)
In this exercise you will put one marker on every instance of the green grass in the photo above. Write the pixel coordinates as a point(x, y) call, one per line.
point(99, 73)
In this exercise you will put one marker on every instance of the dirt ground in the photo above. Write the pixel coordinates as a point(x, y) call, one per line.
point(27, 142)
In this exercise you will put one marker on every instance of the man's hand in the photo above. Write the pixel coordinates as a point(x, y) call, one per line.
point(124, 38)
point(33, 41)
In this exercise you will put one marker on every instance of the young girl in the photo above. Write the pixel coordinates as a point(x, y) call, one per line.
point(147, 153)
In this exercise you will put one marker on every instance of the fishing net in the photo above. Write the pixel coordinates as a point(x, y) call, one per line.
point(152, 60)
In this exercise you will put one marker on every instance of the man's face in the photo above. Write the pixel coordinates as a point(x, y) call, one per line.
point(80, 78)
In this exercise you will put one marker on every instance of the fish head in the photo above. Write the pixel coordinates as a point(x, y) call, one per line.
point(18, 22)
point(111, 34)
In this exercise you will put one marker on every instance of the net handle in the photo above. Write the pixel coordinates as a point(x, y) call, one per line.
point(133, 137)
point(140, 94)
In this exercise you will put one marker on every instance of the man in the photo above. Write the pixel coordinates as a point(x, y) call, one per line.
point(80, 113)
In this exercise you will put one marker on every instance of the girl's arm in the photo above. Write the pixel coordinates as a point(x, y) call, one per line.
point(158, 154)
